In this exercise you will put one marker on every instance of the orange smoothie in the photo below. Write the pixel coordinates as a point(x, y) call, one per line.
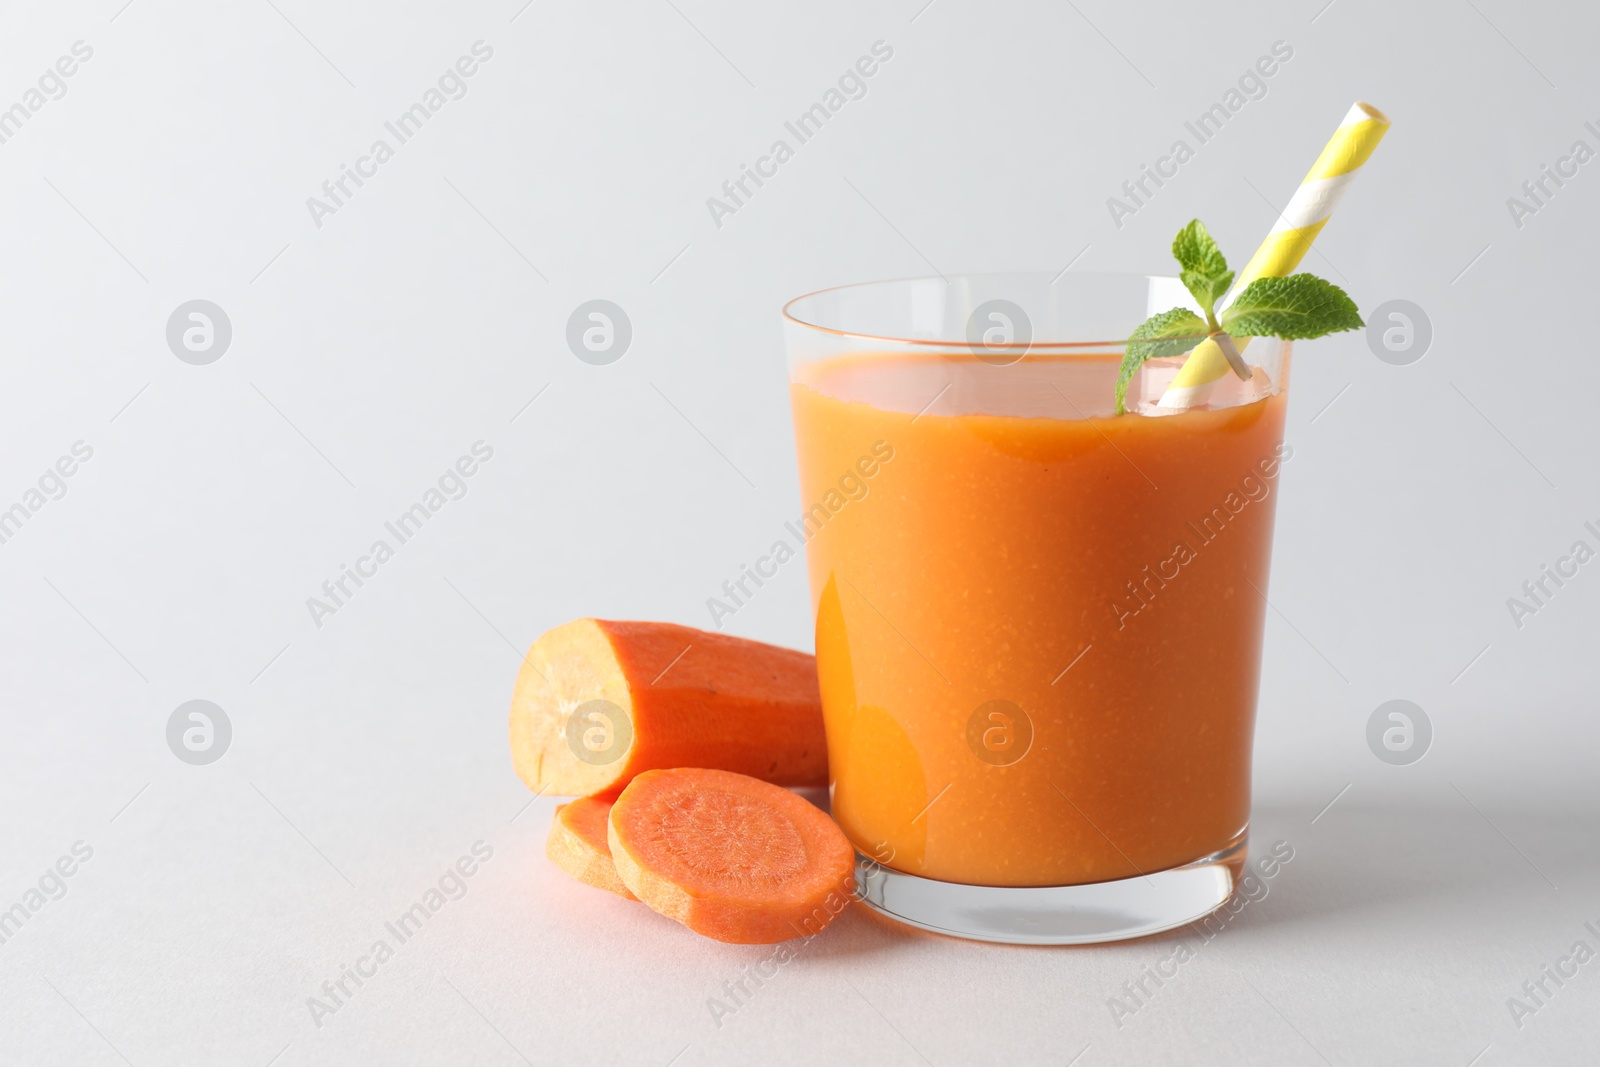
point(1038, 625)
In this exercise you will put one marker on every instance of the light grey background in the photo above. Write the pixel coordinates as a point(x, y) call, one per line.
point(430, 311)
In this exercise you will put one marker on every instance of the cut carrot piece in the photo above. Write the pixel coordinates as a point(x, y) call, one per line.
point(577, 844)
point(598, 702)
point(729, 856)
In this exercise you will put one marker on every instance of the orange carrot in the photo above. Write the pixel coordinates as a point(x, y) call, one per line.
point(729, 856)
point(577, 844)
point(598, 702)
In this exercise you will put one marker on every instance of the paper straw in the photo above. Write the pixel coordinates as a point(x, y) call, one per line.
point(1351, 145)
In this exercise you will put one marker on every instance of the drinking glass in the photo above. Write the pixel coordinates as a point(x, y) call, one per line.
point(1038, 622)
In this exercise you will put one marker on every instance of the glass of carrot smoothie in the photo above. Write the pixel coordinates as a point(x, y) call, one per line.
point(1038, 623)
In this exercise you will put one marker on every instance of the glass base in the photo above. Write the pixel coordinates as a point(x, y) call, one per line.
point(1056, 915)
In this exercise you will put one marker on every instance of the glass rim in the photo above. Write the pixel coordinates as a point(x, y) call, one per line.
point(790, 315)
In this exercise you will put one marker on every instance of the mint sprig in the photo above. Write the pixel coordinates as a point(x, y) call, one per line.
point(1205, 272)
point(1298, 307)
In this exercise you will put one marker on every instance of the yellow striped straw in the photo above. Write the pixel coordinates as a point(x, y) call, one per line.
point(1308, 211)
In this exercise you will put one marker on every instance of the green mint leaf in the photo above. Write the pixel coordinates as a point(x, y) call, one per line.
point(1298, 307)
point(1205, 271)
point(1195, 249)
point(1170, 333)
point(1207, 289)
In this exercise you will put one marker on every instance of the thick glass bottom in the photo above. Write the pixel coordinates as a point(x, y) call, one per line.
point(1056, 915)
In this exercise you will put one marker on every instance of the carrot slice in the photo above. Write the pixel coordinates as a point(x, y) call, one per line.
point(577, 844)
point(598, 702)
point(729, 856)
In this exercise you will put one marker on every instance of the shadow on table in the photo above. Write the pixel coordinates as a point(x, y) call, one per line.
point(1357, 863)
point(1371, 864)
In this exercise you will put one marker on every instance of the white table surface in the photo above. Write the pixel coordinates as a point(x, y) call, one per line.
point(368, 753)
